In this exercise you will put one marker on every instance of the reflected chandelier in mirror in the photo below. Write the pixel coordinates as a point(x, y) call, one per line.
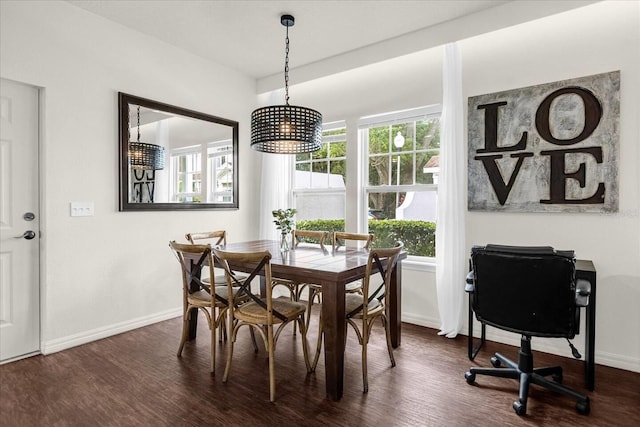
point(172, 158)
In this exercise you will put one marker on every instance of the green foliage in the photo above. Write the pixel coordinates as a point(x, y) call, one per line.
point(419, 237)
point(329, 225)
point(284, 219)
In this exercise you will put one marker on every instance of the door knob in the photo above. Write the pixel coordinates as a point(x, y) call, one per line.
point(26, 235)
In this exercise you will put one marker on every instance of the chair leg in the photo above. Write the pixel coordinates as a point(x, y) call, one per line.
point(305, 343)
point(213, 328)
point(311, 296)
point(272, 368)
point(253, 340)
point(520, 405)
point(232, 339)
point(316, 357)
point(387, 332)
point(364, 343)
point(185, 331)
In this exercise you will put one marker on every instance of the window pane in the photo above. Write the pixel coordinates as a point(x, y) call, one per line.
point(379, 140)
point(319, 206)
point(404, 141)
point(428, 134)
point(379, 170)
point(404, 216)
point(319, 167)
point(338, 170)
point(338, 149)
point(321, 153)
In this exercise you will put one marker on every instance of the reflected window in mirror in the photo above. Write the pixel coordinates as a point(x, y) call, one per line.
point(196, 157)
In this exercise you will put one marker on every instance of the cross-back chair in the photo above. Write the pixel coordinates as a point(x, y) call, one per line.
point(299, 237)
point(338, 242)
point(197, 296)
point(363, 309)
point(261, 314)
point(215, 239)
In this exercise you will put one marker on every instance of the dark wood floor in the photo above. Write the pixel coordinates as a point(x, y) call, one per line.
point(135, 379)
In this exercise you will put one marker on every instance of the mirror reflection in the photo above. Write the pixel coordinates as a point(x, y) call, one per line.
point(173, 158)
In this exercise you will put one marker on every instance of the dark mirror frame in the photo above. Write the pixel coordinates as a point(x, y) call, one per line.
point(124, 100)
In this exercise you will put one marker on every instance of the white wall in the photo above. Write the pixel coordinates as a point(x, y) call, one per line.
point(112, 271)
point(594, 39)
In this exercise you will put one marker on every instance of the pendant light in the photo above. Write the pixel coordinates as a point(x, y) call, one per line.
point(286, 129)
point(143, 155)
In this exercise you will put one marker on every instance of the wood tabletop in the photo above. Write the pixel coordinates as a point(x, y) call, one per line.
point(308, 263)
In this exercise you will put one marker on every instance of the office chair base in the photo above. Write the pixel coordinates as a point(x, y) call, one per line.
point(534, 376)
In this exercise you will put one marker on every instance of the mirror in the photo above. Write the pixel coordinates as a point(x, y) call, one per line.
point(172, 158)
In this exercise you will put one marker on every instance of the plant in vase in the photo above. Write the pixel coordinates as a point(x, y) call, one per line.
point(284, 222)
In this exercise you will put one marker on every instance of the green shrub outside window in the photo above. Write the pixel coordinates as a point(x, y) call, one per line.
point(419, 237)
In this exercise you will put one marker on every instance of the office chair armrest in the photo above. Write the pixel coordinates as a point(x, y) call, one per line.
point(470, 287)
point(583, 290)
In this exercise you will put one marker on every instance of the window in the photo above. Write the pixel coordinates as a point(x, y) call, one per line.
point(400, 159)
point(320, 177)
point(220, 172)
point(186, 175)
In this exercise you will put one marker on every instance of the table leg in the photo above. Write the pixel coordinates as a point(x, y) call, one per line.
point(394, 299)
point(333, 315)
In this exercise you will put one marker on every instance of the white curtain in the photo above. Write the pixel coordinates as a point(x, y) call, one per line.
point(451, 251)
point(275, 191)
point(275, 184)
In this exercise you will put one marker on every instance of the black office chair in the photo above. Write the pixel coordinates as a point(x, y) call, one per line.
point(531, 291)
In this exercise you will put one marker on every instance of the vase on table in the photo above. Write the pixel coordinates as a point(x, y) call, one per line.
point(284, 242)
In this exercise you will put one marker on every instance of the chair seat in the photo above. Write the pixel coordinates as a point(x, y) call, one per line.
point(353, 301)
point(251, 312)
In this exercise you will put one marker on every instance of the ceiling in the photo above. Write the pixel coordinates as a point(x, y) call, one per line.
point(247, 35)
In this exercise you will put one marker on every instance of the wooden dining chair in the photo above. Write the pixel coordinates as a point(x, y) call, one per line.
point(295, 289)
point(338, 242)
point(197, 296)
point(299, 237)
point(261, 314)
point(362, 309)
point(213, 238)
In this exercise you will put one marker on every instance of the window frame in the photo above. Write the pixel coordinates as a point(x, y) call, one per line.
point(390, 119)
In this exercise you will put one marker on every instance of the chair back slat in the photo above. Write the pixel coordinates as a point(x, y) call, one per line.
point(215, 238)
point(340, 239)
point(300, 236)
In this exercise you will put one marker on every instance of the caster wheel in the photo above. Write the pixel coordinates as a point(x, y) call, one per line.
point(470, 377)
point(583, 407)
point(495, 362)
point(519, 408)
point(557, 378)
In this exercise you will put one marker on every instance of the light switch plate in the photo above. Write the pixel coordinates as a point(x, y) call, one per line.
point(81, 208)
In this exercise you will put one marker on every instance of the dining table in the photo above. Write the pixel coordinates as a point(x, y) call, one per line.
point(332, 270)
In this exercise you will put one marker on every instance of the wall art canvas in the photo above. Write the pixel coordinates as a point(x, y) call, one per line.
point(546, 148)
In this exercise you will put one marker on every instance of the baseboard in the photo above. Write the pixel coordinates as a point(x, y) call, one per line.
point(547, 345)
point(64, 343)
point(427, 322)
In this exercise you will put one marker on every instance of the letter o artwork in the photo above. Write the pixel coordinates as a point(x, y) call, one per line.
point(592, 115)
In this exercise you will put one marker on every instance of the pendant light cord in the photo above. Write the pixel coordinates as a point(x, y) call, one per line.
point(138, 124)
point(286, 68)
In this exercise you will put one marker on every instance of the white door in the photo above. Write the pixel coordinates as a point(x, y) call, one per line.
point(19, 221)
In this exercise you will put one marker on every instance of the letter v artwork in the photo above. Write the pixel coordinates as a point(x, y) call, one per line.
point(546, 148)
